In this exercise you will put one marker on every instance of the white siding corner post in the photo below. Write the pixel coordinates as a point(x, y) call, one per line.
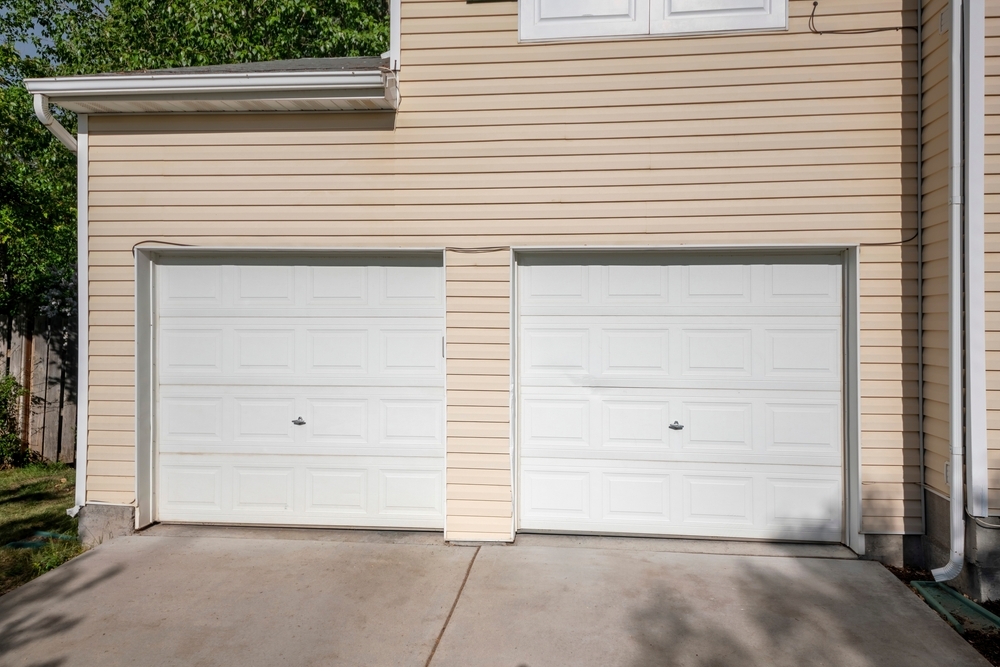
point(956, 477)
point(83, 307)
point(854, 530)
point(976, 464)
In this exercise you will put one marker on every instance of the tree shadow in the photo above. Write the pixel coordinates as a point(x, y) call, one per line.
point(26, 616)
point(763, 616)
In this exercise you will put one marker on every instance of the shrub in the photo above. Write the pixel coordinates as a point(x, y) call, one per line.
point(12, 453)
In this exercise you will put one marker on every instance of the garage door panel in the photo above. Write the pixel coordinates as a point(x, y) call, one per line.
point(291, 393)
point(811, 284)
point(677, 285)
point(264, 351)
point(191, 350)
point(381, 350)
point(267, 288)
point(301, 490)
point(632, 351)
point(689, 499)
point(338, 420)
point(745, 357)
point(715, 283)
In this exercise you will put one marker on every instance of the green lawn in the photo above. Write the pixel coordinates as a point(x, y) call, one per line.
point(33, 499)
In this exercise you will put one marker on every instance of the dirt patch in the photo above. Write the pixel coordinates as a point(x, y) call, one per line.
point(987, 643)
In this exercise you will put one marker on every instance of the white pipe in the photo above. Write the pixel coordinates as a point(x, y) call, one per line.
point(955, 418)
point(45, 116)
point(976, 463)
point(83, 316)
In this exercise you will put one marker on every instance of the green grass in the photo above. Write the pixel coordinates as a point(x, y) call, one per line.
point(31, 499)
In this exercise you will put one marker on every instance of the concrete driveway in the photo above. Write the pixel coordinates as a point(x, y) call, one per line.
point(244, 597)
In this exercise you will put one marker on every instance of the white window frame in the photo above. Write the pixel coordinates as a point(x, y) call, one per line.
point(649, 18)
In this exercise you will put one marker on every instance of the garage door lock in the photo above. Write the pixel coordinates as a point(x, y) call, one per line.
point(299, 421)
point(676, 426)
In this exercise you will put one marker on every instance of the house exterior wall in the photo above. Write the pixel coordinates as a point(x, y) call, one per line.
point(779, 138)
point(935, 245)
point(992, 250)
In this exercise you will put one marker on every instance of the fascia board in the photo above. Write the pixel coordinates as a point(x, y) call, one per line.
point(264, 83)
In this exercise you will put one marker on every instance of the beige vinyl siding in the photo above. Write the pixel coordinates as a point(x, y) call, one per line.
point(935, 242)
point(479, 496)
point(779, 138)
point(993, 250)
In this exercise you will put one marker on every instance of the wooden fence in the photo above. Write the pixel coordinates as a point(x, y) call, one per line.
point(42, 356)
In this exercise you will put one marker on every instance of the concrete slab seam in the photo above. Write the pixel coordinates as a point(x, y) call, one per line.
point(451, 611)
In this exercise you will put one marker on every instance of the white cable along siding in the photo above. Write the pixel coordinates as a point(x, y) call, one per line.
point(778, 138)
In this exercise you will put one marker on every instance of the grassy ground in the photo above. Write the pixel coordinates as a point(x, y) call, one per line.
point(32, 499)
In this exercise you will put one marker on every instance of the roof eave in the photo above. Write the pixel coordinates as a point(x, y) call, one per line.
point(369, 88)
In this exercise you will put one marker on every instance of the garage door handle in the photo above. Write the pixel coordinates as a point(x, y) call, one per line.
point(676, 426)
point(301, 422)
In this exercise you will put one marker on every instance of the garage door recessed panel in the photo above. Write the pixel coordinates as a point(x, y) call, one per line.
point(636, 424)
point(412, 351)
point(811, 428)
point(718, 499)
point(271, 351)
point(804, 283)
point(628, 352)
point(341, 421)
point(641, 497)
point(338, 285)
point(726, 283)
point(717, 352)
point(554, 422)
point(798, 503)
point(556, 494)
point(638, 283)
point(265, 419)
point(812, 353)
point(411, 285)
point(265, 286)
point(412, 422)
point(263, 489)
point(552, 351)
point(198, 419)
point(411, 492)
point(191, 286)
point(192, 487)
point(191, 351)
point(338, 352)
point(338, 491)
point(718, 426)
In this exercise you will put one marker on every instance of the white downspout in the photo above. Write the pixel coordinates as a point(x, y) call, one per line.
point(45, 116)
point(976, 461)
point(955, 418)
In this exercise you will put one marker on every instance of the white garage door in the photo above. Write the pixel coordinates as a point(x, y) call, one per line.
point(301, 392)
point(745, 355)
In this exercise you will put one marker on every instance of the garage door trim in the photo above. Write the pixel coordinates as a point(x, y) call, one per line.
point(146, 258)
point(852, 534)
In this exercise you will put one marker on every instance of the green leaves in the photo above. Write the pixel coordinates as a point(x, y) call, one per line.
point(40, 38)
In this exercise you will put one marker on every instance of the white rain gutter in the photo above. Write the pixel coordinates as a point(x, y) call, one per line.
point(976, 463)
point(49, 121)
point(955, 474)
point(66, 88)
